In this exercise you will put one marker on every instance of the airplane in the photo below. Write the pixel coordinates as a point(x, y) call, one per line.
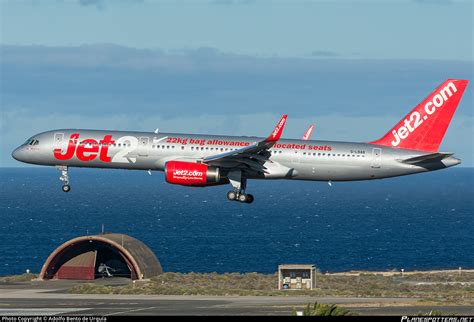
point(307, 134)
point(195, 160)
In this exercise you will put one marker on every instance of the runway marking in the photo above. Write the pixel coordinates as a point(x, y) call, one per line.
point(39, 311)
point(134, 310)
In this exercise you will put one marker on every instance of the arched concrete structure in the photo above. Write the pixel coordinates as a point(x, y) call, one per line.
point(77, 258)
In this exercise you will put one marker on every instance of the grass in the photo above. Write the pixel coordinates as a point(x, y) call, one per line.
point(320, 309)
point(18, 278)
point(363, 285)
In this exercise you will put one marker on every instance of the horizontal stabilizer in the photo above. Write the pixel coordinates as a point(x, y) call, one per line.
point(428, 158)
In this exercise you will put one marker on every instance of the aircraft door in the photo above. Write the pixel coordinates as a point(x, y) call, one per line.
point(58, 141)
point(143, 146)
point(376, 158)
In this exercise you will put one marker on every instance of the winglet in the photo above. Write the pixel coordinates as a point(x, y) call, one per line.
point(275, 136)
point(308, 133)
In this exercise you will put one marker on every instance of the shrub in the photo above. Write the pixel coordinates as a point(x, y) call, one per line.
point(321, 309)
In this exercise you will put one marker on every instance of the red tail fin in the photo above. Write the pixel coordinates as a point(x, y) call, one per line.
point(424, 127)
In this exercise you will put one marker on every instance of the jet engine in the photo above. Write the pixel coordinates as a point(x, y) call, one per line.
point(192, 174)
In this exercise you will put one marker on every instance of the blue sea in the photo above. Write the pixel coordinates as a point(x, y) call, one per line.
point(418, 222)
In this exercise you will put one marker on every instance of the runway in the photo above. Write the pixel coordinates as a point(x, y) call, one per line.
point(49, 301)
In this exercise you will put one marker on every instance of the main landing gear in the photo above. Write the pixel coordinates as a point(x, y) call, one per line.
point(64, 178)
point(234, 195)
point(239, 183)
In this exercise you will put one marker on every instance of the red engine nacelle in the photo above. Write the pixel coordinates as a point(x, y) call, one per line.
point(191, 173)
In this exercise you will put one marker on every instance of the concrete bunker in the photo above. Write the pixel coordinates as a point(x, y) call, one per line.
point(105, 255)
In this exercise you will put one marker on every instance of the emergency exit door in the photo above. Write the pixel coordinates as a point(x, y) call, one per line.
point(143, 146)
point(376, 158)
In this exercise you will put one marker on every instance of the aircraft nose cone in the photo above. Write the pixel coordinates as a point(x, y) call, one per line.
point(18, 154)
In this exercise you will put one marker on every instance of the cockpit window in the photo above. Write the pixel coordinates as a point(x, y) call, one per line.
point(31, 142)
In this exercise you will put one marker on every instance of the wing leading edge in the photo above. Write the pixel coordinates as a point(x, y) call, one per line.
point(251, 155)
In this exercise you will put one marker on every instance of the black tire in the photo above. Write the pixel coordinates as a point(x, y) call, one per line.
point(231, 195)
point(243, 197)
point(66, 188)
point(249, 198)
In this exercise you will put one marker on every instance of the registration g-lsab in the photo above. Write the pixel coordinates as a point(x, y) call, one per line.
point(205, 160)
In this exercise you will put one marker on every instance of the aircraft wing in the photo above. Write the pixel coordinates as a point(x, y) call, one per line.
point(251, 155)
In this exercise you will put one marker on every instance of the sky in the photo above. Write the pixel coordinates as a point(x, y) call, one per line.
point(353, 68)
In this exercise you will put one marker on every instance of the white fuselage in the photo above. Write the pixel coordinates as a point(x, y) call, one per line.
point(287, 159)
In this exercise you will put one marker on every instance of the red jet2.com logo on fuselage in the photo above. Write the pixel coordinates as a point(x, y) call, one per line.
point(415, 119)
point(86, 150)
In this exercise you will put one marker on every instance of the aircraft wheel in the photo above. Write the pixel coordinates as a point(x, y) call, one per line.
point(66, 188)
point(243, 197)
point(231, 195)
point(249, 198)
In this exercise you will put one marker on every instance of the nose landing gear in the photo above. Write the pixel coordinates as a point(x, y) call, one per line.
point(64, 178)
